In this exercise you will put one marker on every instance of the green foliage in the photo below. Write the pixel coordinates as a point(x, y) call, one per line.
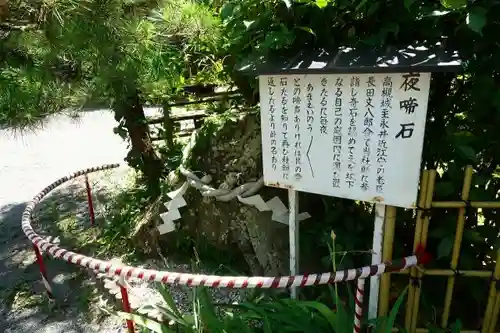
point(461, 129)
point(119, 53)
point(31, 86)
point(120, 213)
point(263, 313)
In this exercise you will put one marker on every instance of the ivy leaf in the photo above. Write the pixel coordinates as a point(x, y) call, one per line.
point(454, 4)
point(226, 11)
point(444, 188)
point(476, 19)
point(445, 247)
point(373, 9)
point(408, 3)
point(467, 152)
point(321, 3)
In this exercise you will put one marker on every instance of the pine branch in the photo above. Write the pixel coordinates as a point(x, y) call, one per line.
point(18, 26)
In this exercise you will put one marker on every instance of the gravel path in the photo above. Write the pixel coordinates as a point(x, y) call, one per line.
point(31, 161)
point(28, 163)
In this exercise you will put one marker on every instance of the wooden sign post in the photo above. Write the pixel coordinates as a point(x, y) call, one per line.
point(347, 130)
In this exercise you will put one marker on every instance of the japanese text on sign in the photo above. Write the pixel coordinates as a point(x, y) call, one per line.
point(355, 136)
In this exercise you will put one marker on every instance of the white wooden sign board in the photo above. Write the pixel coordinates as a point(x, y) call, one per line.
point(355, 136)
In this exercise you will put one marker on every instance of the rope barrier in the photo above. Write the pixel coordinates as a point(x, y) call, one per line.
point(124, 272)
point(167, 277)
point(358, 305)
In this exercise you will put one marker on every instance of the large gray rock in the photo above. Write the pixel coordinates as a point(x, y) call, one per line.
point(229, 150)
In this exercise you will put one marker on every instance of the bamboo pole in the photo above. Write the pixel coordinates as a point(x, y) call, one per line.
point(456, 246)
point(385, 280)
point(490, 307)
point(423, 241)
point(449, 272)
point(496, 313)
point(418, 234)
point(425, 330)
point(461, 204)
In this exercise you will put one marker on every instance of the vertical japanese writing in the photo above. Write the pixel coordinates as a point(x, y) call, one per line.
point(367, 133)
point(285, 145)
point(385, 106)
point(352, 132)
point(271, 86)
point(309, 107)
point(296, 100)
point(323, 115)
point(409, 105)
point(337, 133)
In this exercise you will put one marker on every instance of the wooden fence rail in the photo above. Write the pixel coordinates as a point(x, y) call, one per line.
point(492, 309)
point(171, 122)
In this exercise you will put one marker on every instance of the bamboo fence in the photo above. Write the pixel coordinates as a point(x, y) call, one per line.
point(425, 203)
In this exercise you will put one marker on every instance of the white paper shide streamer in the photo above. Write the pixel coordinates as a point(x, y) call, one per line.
point(245, 193)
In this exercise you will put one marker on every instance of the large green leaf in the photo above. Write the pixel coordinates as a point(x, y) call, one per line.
point(167, 297)
point(327, 313)
point(391, 319)
point(322, 3)
point(467, 152)
point(476, 19)
point(445, 247)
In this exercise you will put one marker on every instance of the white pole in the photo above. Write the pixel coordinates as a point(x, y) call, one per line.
point(378, 231)
point(293, 229)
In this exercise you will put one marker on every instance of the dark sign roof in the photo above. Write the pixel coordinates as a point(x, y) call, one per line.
point(414, 58)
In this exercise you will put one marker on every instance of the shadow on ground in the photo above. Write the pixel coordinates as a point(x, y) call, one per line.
point(62, 218)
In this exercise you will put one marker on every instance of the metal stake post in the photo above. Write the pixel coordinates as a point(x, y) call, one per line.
point(376, 259)
point(293, 228)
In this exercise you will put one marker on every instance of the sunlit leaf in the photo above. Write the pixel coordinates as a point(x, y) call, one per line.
point(248, 24)
point(145, 322)
point(309, 30)
point(454, 4)
point(288, 3)
point(322, 3)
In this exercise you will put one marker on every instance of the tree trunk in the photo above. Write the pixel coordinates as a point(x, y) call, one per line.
point(142, 155)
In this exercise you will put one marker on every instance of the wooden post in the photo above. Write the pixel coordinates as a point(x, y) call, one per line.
point(457, 245)
point(89, 201)
point(385, 280)
point(418, 235)
point(489, 314)
point(423, 241)
point(168, 126)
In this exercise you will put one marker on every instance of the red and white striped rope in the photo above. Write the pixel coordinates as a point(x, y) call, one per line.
point(214, 281)
point(358, 306)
